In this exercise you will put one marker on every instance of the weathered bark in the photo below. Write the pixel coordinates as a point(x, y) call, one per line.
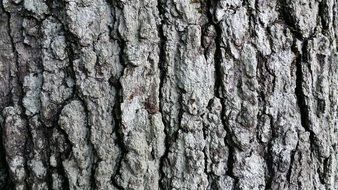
point(168, 94)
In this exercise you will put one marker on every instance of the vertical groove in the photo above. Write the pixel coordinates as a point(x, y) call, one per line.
point(8, 181)
point(218, 93)
point(161, 64)
point(301, 99)
point(20, 96)
point(117, 106)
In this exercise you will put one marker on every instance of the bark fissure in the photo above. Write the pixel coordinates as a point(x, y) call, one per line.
point(161, 64)
point(19, 103)
point(118, 100)
point(269, 158)
point(118, 126)
point(8, 182)
point(301, 98)
point(218, 93)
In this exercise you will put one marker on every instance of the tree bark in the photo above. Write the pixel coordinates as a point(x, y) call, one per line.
point(168, 94)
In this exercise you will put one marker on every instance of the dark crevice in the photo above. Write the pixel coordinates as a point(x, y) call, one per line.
point(323, 170)
point(117, 112)
point(68, 149)
point(119, 134)
point(61, 171)
point(253, 21)
point(265, 77)
point(301, 59)
point(77, 96)
point(285, 15)
point(300, 63)
point(268, 156)
point(335, 23)
point(292, 160)
point(218, 93)
point(218, 52)
point(8, 183)
point(230, 165)
point(70, 45)
point(47, 132)
point(323, 15)
point(95, 155)
point(20, 94)
point(209, 8)
point(42, 131)
point(327, 164)
point(170, 139)
point(47, 135)
point(162, 68)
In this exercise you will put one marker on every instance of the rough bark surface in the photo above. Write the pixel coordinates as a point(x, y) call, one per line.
point(169, 94)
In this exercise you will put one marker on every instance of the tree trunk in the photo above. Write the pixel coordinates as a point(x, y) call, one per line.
point(169, 94)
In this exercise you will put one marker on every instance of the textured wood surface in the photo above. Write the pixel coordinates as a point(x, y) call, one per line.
point(168, 94)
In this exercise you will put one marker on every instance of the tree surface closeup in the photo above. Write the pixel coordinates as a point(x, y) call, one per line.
point(168, 94)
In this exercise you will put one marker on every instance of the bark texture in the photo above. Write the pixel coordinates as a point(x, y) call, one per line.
point(169, 94)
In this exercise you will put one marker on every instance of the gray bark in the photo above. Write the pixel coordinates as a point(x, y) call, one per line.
point(168, 94)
